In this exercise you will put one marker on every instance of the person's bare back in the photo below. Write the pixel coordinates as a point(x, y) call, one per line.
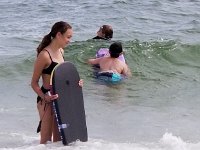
point(108, 64)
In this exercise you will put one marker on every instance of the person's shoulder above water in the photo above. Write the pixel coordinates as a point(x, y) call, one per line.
point(105, 32)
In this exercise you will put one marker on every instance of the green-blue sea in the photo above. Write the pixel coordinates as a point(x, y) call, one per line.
point(156, 109)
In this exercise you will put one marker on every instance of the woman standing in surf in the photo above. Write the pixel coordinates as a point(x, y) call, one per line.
point(49, 53)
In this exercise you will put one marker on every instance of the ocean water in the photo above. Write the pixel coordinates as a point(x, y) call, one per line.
point(156, 109)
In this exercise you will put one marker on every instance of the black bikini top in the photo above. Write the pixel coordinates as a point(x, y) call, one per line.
point(51, 66)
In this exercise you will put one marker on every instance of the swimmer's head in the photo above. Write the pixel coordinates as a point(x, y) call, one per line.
point(115, 49)
point(106, 32)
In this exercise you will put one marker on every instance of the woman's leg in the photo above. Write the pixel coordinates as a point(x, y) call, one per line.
point(56, 134)
point(46, 116)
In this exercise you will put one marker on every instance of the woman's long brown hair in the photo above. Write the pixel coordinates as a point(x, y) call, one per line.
point(61, 27)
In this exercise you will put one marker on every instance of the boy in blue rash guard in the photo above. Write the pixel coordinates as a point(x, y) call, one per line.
point(111, 67)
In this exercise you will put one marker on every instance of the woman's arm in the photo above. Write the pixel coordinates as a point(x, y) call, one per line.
point(39, 65)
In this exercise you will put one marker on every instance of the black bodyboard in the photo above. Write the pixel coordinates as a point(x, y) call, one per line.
point(69, 107)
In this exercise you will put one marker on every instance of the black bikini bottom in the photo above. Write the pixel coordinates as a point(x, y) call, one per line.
point(44, 91)
point(38, 100)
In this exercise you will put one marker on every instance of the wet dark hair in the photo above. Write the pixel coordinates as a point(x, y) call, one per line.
point(108, 31)
point(61, 27)
point(115, 49)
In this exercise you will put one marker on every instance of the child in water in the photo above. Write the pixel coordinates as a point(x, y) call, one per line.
point(111, 65)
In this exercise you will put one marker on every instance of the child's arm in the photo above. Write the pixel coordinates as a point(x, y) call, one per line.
point(94, 61)
point(126, 71)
